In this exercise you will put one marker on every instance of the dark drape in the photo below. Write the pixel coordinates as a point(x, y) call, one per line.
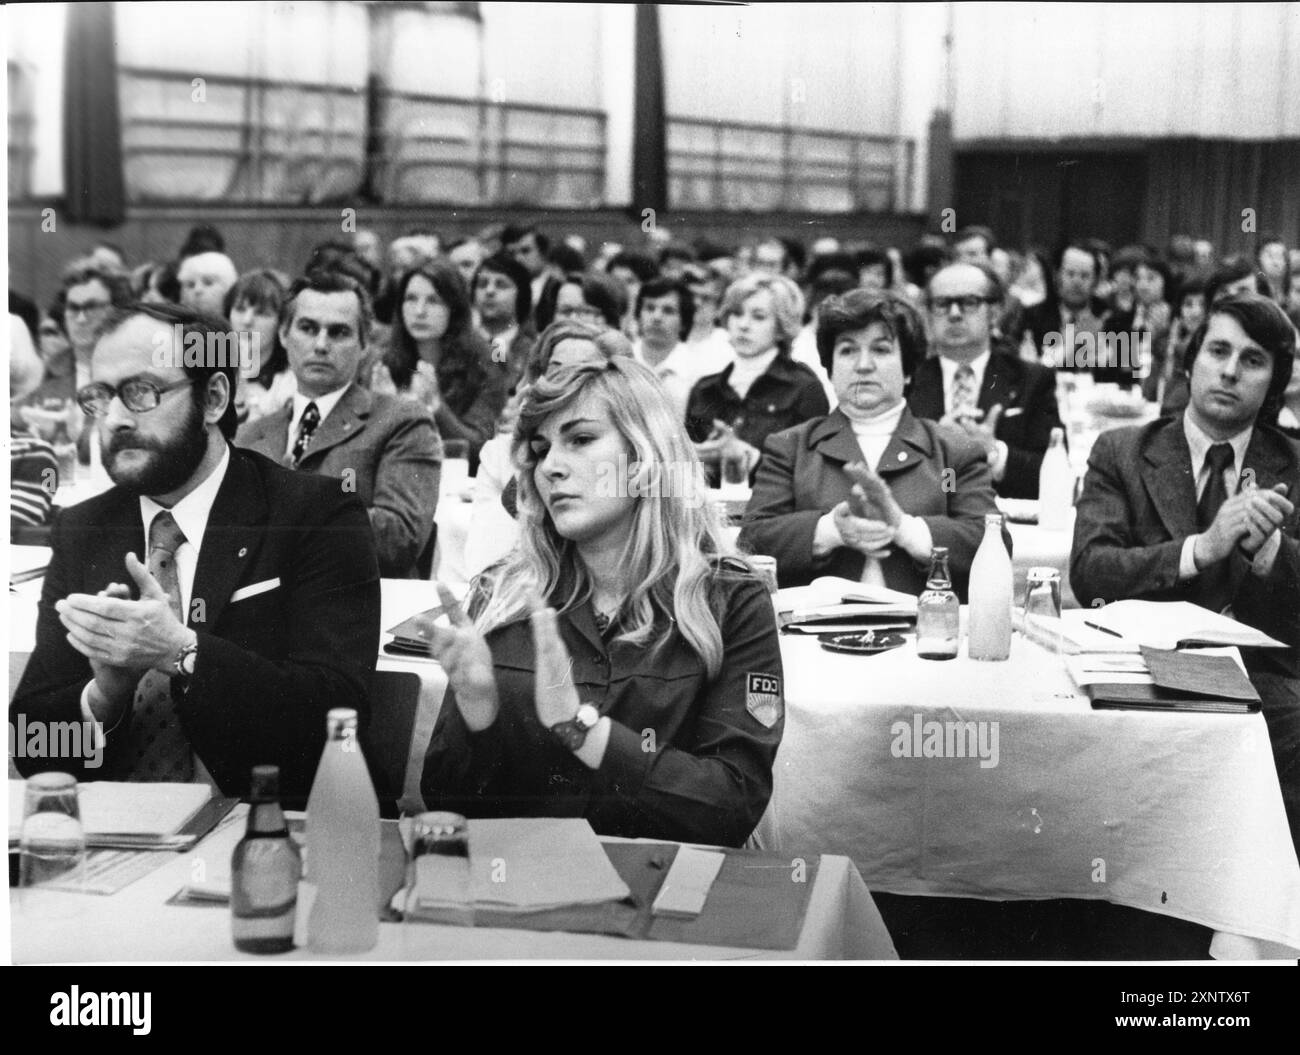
point(92, 134)
point(649, 129)
point(1200, 187)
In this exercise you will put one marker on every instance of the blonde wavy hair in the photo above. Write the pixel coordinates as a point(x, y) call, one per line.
point(676, 540)
point(787, 304)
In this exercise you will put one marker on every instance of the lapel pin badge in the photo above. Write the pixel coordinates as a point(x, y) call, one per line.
point(902, 456)
point(243, 551)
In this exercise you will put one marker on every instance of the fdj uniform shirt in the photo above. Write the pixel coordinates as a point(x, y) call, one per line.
point(688, 759)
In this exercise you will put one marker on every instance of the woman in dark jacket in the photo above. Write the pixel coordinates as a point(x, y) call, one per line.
point(730, 415)
point(867, 491)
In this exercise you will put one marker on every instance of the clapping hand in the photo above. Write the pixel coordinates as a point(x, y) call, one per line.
point(984, 433)
point(1266, 512)
point(870, 497)
point(465, 656)
point(554, 692)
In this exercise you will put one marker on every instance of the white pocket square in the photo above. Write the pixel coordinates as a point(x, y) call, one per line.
point(1013, 412)
point(244, 592)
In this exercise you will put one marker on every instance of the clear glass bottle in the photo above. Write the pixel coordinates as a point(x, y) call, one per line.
point(343, 844)
point(264, 871)
point(990, 595)
point(938, 612)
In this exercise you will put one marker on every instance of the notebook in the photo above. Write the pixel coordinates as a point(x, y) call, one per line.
point(1177, 681)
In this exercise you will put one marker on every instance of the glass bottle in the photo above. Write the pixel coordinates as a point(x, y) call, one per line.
point(938, 612)
point(990, 595)
point(1055, 486)
point(343, 844)
point(264, 872)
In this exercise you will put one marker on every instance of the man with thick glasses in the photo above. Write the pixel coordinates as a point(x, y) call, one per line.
point(1008, 406)
point(211, 607)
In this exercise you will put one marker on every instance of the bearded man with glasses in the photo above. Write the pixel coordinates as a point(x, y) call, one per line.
point(210, 608)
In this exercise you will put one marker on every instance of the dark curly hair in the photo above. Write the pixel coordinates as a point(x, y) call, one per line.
point(858, 309)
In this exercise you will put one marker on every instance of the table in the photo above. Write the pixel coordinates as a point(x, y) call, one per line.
point(136, 924)
point(1179, 814)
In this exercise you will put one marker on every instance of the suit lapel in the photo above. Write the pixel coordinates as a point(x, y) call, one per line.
point(909, 445)
point(1268, 461)
point(926, 394)
point(1167, 475)
point(1001, 383)
point(346, 419)
point(236, 527)
point(833, 438)
point(121, 532)
point(275, 434)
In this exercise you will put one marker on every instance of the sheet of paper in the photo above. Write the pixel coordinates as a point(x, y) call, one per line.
point(535, 863)
point(688, 883)
point(117, 808)
point(1164, 624)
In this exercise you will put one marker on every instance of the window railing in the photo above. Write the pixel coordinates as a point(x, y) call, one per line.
point(474, 152)
point(279, 142)
point(739, 166)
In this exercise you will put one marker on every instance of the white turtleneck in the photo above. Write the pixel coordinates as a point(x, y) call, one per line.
point(748, 369)
point(875, 433)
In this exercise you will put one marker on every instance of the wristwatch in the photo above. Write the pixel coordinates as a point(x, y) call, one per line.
point(573, 733)
point(185, 660)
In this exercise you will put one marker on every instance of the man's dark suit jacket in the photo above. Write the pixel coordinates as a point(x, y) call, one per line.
point(1139, 504)
point(1027, 394)
point(802, 476)
point(392, 450)
point(271, 664)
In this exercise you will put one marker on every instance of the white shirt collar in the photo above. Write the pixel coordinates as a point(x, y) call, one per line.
point(324, 404)
point(192, 511)
point(950, 368)
point(1199, 443)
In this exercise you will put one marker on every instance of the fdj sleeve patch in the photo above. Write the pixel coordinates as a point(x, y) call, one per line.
point(763, 698)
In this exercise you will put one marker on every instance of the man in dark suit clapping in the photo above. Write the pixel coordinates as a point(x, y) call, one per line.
point(206, 612)
point(1005, 404)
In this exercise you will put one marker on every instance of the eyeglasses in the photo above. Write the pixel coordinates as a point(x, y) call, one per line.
point(137, 395)
point(968, 305)
point(92, 307)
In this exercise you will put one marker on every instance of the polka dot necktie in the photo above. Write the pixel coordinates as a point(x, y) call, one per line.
point(963, 389)
point(310, 419)
point(161, 751)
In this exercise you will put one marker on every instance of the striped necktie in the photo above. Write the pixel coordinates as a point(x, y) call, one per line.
point(307, 426)
point(964, 396)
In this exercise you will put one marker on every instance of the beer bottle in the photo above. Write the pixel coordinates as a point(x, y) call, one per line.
point(264, 872)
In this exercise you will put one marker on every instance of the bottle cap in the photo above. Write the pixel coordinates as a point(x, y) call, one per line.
point(939, 551)
point(265, 784)
point(1043, 575)
point(340, 720)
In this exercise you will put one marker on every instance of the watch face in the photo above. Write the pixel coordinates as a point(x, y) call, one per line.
point(587, 716)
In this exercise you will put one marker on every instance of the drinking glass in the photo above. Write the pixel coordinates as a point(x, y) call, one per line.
point(438, 868)
point(51, 844)
point(1043, 608)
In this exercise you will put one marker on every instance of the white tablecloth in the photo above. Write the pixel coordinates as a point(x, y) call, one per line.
point(1179, 813)
point(135, 924)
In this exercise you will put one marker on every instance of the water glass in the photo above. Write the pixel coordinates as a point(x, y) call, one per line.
point(1043, 608)
point(438, 869)
point(52, 843)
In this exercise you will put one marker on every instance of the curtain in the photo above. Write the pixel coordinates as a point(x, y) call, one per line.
point(92, 147)
point(1200, 187)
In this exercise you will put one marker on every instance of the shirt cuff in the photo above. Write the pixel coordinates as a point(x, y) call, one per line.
point(88, 715)
point(998, 463)
point(827, 536)
point(1187, 561)
point(913, 535)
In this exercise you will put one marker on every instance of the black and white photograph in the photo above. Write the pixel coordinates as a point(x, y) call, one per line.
point(559, 483)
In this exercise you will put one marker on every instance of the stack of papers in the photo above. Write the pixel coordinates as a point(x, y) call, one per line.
point(831, 604)
point(132, 816)
point(521, 865)
point(409, 639)
point(1207, 680)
